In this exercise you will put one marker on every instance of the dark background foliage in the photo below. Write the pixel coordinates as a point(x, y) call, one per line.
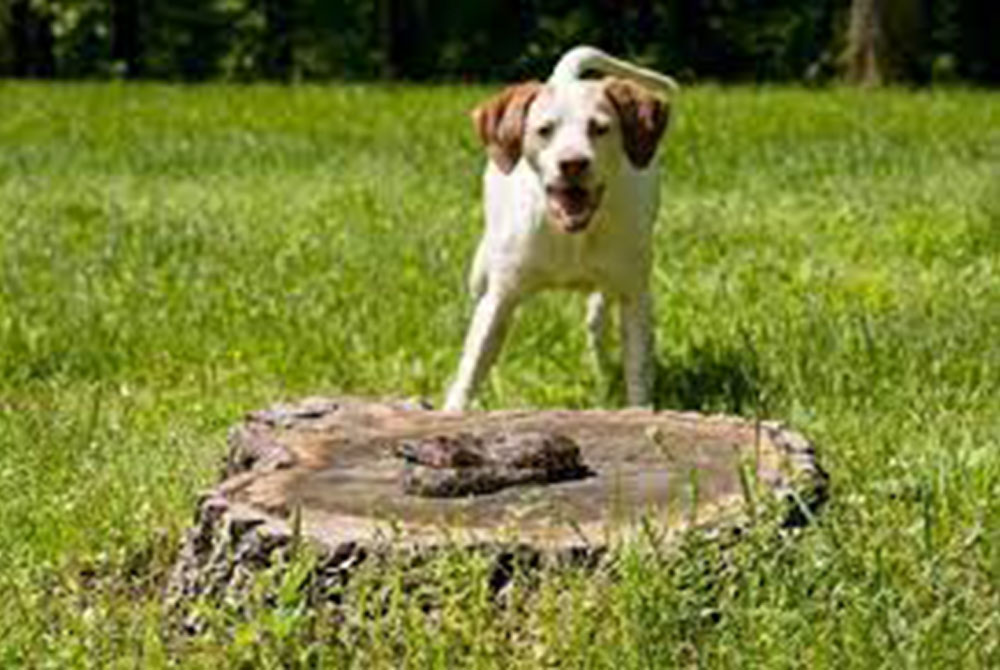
point(727, 40)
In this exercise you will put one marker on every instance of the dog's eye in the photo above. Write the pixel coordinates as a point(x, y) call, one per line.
point(597, 128)
point(545, 130)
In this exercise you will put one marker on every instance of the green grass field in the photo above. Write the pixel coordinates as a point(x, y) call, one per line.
point(171, 257)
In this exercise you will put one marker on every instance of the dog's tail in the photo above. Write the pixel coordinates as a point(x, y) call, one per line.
point(582, 59)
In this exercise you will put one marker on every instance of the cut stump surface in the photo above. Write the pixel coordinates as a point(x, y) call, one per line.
point(341, 472)
point(338, 461)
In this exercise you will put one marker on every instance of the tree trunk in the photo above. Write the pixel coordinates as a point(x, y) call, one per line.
point(278, 56)
point(32, 40)
point(403, 27)
point(885, 42)
point(126, 42)
point(384, 17)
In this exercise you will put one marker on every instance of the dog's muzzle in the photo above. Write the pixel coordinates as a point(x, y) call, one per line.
point(571, 205)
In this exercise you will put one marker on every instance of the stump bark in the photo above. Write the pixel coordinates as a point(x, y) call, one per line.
point(340, 474)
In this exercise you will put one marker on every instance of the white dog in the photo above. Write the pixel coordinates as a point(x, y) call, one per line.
point(571, 195)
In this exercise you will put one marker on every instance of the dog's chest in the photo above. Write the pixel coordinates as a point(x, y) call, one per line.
point(608, 256)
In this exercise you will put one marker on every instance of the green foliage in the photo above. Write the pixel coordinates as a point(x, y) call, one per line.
point(171, 257)
point(433, 39)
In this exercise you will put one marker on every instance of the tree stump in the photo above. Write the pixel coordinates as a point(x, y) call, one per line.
point(350, 476)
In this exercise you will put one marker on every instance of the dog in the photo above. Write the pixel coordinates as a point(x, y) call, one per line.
point(571, 193)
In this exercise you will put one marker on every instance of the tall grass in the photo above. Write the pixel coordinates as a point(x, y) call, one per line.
point(170, 257)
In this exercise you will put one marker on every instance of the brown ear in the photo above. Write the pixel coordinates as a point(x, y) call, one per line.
point(643, 118)
point(500, 123)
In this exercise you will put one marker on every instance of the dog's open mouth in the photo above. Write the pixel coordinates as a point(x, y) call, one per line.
point(571, 206)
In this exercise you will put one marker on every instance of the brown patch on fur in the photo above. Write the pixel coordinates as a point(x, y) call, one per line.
point(500, 122)
point(643, 118)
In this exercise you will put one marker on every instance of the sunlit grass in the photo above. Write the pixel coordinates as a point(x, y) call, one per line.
point(170, 257)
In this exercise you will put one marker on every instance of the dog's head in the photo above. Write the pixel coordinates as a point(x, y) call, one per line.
point(574, 137)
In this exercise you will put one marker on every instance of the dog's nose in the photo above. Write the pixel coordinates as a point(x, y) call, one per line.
point(574, 167)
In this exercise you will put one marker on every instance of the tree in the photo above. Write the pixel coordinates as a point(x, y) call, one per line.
point(126, 36)
point(976, 44)
point(32, 43)
point(403, 28)
point(278, 59)
point(885, 42)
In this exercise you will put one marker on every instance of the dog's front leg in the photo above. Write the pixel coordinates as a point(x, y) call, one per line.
point(482, 344)
point(637, 347)
point(596, 317)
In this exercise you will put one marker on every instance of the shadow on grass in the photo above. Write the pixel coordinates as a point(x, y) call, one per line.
point(710, 380)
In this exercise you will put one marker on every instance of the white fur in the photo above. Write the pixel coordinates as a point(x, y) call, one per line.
point(522, 251)
point(582, 59)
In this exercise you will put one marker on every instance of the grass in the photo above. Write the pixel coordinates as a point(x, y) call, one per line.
point(171, 257)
